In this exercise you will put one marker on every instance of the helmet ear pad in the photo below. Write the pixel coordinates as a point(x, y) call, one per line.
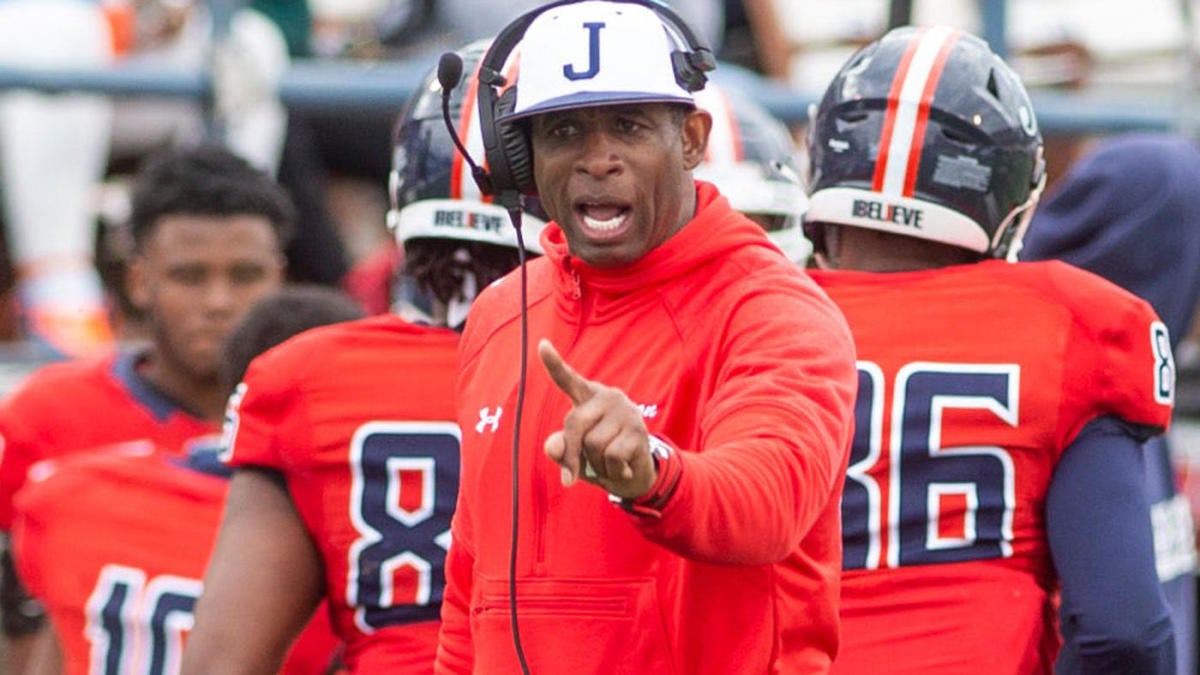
point(815, 233)
point(514, 143)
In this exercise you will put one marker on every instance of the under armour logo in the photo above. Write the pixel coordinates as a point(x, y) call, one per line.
point(488, 419)
point(648, 410)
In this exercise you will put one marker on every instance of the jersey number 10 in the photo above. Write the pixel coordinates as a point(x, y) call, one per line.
point(135, 625)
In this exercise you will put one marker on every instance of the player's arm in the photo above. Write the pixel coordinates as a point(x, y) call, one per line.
point(22, 618)
point(46, 655)
point(1114, 616)
point(263, 582)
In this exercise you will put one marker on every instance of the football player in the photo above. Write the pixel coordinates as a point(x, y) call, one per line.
point(114, 542)
point(343, 441)
point(1001, 407)
point(208, 233)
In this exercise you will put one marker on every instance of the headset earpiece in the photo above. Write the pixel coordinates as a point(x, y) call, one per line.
point(690, 67)
point(515, 145)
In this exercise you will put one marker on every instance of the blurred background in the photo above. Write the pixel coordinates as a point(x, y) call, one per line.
point(308, 91)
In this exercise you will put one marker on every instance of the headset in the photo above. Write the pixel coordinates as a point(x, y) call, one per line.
point(509, 175)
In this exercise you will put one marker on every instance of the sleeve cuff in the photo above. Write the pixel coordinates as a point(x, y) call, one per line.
point(669, 468)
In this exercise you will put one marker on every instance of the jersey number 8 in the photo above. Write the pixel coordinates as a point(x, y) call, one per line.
point(403, 489)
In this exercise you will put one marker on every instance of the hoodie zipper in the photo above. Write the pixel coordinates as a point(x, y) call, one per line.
point(576, 286)
point(577, 296)
point(541, 464)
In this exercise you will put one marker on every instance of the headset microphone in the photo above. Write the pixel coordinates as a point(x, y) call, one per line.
point(449, 73)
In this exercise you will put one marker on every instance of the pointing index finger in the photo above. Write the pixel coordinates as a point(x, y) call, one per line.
point(574, 385)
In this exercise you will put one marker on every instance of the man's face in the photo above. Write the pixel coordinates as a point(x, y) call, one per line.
point(196, 277)
point(617, 179)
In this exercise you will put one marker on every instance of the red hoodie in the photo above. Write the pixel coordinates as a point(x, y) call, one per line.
point(740, 363)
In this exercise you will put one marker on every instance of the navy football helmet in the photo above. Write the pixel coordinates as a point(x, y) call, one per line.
point(926, 133)
point(750, 158)
point(455, 240)
point(431, 189)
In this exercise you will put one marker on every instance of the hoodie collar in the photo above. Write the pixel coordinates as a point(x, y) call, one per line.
point(712, 232)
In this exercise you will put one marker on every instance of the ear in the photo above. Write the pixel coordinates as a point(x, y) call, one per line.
point(695, 129)
point(137, 282)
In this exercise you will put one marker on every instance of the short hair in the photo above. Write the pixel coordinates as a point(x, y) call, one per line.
point(679, 112)
point(278, 317)
point(205, 180)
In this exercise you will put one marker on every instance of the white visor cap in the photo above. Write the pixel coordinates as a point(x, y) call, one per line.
point(596, 53)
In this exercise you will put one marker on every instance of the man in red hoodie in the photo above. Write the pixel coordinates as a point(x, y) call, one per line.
point(673, 507)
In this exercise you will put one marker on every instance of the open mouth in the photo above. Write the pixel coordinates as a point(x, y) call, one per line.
point(602, 219)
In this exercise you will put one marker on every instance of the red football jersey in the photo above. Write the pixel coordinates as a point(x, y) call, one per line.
point(359, 419)
point(81, 405)
point(972, 381)
point(115, 543)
